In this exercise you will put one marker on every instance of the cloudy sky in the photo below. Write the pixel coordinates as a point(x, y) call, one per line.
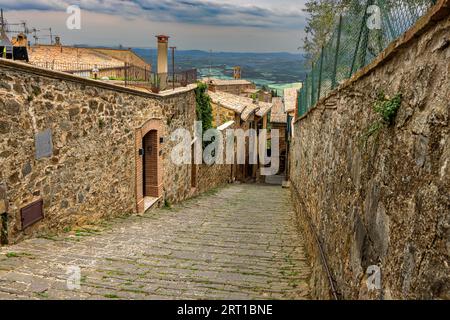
point(220, 25)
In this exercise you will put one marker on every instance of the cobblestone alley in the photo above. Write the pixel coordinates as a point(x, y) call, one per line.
point(237, 242)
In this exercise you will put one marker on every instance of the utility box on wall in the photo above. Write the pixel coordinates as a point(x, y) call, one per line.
point(32, 213)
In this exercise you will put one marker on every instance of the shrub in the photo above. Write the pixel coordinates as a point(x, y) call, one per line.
point(203, 108)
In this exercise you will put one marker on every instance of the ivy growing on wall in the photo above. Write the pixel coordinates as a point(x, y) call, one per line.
point(204, 109)
point(387, 109)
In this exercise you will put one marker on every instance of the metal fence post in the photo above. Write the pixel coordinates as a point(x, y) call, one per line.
point(363, 23)
point(364, 44)
point(302, 96)
point(312, 86)
point(365, 41)
point(126, 74)
point(305, 98)
point(306, 95)
point(319, 88)
point(299, 103)
point(338, 43)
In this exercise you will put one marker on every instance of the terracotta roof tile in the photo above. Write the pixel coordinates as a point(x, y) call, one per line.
point(242, 105)
point(226, 82)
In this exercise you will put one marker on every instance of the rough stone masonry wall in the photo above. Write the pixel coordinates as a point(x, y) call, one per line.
point(91, 174)
point(387, 204)
point(210, 177)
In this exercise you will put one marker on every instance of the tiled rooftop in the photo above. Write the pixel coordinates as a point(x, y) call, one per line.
point(242, 105)
point(71, 56)
point(220, 82)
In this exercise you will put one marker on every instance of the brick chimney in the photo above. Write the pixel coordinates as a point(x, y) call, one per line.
point(163, 68)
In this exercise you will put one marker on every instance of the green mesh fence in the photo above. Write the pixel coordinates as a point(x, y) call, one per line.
point(362, 31)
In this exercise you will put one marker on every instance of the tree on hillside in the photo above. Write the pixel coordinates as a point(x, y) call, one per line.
point(320, 24)
point(323, 16)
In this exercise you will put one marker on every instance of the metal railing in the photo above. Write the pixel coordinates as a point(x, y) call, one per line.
point(127, 74)
point(72, 67)
point(362, 31)
point(139, 77)
point(99, 71)
point(183, 77)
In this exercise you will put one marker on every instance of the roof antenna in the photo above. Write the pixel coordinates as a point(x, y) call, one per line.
point(1, 18)
point(210, 63)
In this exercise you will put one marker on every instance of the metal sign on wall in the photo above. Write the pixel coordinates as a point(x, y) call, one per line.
point(32, 213)
point(43, 144)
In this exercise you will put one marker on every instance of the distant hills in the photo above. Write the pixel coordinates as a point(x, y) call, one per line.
point(261, 68)
point(277, 69)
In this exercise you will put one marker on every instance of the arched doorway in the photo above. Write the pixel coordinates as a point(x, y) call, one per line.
point(149, 175)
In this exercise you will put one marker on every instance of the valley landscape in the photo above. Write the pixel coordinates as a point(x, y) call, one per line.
point(276, 70)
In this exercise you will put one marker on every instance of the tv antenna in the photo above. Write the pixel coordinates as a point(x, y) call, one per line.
point(35, 35)
point(173, 66)
point(210, 63)
point(2, 21)
point(48, 35)
point(19, 27)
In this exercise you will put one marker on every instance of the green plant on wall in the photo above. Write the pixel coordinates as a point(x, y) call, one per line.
point(203, 108)
point(387, 109)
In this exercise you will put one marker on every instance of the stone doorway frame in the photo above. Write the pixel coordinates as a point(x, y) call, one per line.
point(150, 125)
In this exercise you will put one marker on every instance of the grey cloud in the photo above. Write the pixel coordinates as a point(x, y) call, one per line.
point(199, 12)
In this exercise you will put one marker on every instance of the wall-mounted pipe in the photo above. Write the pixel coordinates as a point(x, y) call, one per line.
point(333, 288)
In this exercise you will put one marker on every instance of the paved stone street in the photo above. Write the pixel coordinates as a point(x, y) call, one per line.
point(238, 242)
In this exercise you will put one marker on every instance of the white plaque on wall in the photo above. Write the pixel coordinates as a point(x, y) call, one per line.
point(43, 144)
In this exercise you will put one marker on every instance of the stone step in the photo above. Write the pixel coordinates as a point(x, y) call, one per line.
point(276, 179)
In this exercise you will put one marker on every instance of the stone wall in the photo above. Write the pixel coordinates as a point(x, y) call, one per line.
point(386, 203)
point(221, 115)
point(91, 172)
point(213, 176)
point(210, 177)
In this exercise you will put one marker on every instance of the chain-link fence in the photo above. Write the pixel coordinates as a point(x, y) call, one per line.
point(363, 30)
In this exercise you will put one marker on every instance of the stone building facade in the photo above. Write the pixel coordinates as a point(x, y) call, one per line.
point(58, 54)
point(237, 86)
point(384, 202)
point(115, 64)
point(246, 114)
point(88, 150)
